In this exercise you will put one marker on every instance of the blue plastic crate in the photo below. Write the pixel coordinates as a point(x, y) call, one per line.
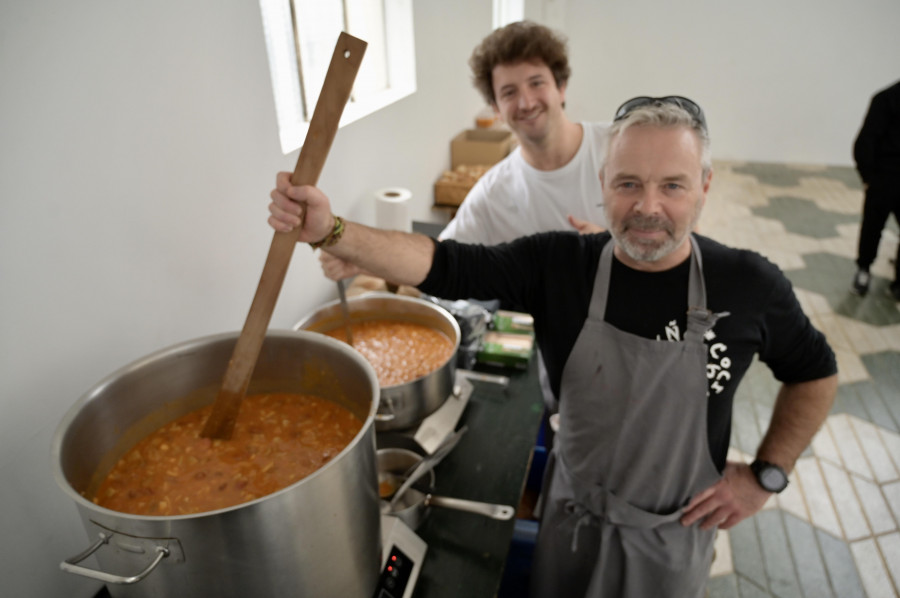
point(517, 573)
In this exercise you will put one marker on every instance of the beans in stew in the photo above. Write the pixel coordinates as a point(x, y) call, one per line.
point(399, 351)
point(278, 439)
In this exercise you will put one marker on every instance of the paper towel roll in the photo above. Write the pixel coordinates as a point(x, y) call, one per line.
point(392, 209)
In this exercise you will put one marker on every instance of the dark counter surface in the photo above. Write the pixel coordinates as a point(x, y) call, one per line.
point(466, 552)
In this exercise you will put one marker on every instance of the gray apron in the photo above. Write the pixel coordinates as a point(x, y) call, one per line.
point(632, 449)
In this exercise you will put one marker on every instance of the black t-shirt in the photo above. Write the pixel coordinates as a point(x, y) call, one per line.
point(551, 276)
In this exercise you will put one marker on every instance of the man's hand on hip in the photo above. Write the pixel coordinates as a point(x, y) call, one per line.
point(727, 502)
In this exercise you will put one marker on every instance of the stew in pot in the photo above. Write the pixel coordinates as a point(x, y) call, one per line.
point(399, 351)
point(278, 439)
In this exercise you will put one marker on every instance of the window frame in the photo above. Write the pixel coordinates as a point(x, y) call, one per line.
point(285, 70)
point(507, 11)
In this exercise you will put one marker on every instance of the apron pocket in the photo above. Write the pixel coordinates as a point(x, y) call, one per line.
point(671, 556)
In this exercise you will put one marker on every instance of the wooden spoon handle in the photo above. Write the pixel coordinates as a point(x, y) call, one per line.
point(345, 61)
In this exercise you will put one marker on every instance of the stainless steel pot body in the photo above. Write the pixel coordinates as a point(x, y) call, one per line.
point(402, 405)
point(317, 537)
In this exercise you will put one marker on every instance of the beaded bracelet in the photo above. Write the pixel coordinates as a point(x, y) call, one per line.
point(333, 237)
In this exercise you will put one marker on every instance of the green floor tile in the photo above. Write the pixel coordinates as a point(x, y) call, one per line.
point(876, 308)
point(884, 368)
point(841, 566)
point(783, 175)
point(746, 551)
point(876, 406)
point(881, 395)
point(804, 217)
point(777, 555)
point(844, 174)
point(748, 588)
point(849, 402)
point(807, 559)
point(724, 586)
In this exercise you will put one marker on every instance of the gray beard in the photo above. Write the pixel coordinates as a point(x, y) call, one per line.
point(648, 252)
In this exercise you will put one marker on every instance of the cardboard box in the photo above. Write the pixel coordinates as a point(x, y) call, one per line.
point(450, 193)
point(453, 186)
point(480, 146)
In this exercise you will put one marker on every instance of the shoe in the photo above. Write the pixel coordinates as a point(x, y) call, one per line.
point(895, 290)
point(861, 283)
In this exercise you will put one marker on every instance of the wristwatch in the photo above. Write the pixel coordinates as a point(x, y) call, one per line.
point(770, 476)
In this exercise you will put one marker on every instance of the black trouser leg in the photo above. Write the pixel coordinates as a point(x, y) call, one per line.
point(897, 258)
point(876, 208)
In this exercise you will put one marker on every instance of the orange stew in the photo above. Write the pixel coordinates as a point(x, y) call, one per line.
point(399, 351)
point(278, 439)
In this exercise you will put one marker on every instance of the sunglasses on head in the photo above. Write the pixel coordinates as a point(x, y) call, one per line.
point(689, 105)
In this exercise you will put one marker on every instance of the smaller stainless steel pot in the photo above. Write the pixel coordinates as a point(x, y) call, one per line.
point(402, 405)
point(391, 464)
point(413, 506)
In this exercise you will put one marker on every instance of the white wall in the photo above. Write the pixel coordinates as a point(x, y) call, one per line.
point(780, 81)
point(138, 145)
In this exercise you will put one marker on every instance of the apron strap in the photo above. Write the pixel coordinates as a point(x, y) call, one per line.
point(597, 310)
point(699, 318)
point(696, 285)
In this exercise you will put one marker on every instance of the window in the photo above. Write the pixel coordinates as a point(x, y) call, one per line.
point(508, 11)
point(300, 38)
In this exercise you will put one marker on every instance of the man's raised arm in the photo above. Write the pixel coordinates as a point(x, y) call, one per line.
point(402, 258)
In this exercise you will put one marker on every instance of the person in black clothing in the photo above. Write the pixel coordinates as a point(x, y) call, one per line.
point(646, 331)
point(877, 156)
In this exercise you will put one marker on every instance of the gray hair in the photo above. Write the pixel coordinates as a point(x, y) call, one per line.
point(662, 115)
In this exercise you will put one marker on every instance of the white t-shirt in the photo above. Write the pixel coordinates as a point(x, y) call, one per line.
point(514, 199)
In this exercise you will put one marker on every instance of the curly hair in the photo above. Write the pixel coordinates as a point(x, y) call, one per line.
point(523, 41)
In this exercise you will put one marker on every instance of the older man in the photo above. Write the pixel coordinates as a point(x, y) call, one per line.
point(646, 332)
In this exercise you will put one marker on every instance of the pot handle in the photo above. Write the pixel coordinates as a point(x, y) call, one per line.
point(385, 411)
point(71, 565)
point(501, 512)
point(502, 381)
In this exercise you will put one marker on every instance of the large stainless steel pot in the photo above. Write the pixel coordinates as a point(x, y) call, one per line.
point(317, 537)
point(402, 405)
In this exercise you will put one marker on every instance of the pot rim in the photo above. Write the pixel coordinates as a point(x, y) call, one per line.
point(76, 408)
point(305, 321)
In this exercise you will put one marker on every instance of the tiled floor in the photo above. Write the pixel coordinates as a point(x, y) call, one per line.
point(835, 532)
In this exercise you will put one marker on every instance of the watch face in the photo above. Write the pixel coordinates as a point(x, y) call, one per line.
point(772, 479)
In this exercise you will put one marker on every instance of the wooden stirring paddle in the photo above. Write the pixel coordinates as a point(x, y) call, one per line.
point(345, 61)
